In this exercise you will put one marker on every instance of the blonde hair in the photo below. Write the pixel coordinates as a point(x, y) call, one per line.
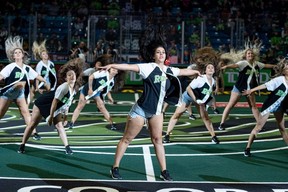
point(13, 43)
point(37, 49)
point(238, 55)
point(279, 68)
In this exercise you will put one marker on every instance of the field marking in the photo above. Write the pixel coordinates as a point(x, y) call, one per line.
point(150, 175)
point(140, 181)
point(76, 149)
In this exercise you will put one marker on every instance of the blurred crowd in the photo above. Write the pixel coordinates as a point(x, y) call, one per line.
point(263, 20)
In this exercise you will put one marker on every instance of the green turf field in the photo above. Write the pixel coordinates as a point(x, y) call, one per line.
point(191, 157)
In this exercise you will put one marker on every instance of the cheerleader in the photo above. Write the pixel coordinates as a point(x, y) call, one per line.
point(54, 105)
point(199, 92)
point(17, 76)
point(100, 84)
point(45, 67)
point(160, 83)
point(277, 103)
point(249, 70)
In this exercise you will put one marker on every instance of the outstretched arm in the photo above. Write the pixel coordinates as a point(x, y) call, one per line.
point(233, 65)
point(122, 67)
point(248, 92)
point(269, 66)
point(188, 72)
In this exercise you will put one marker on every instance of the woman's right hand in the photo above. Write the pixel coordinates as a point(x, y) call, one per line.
point(246, 92)
point(90, 92)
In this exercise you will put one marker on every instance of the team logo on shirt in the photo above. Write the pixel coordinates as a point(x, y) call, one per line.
point(65, 99)
point(280, 93)
point(159, 78)
point(18, 75)
point(248, 72)
point(206, 91)
point(44, 72)
point(102, 82)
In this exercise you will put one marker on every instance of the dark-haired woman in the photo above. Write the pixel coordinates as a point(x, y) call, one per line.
point(158, 79)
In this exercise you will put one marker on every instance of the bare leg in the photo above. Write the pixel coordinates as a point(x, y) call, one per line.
point(101, 106)
point(252, 103)
point(156, 128)
point(60, 128)
point(281, 125)
point(24, 110)
point(4, 105)
point(133, 127)
point(234, 98)
point(175, 117)
point(32, 93)
point(261, 122)
point(79, 108)
point(35, 119)
point(165, 107)
point(206, 120)
point(189, 109)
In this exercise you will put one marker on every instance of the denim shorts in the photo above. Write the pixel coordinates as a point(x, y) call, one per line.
point(235, 90)
point(95, 95)
point(12, 94)
point(136, 110)
point(187, 99)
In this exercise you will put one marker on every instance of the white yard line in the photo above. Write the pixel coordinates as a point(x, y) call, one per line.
point(148, 164)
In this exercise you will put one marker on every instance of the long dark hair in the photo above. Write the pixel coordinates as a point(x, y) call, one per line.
point(77, 66)
point(151, 38)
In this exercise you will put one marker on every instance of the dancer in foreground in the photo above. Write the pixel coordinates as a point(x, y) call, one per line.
point(160, 83)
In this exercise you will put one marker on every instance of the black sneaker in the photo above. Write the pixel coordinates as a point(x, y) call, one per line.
point(192, 117)
point(21, 148)
point(36, 137)
point(221, 127)
point(215, 140)
point(247, 152)
point(165, 176)
point(216, 111)
point(113, 127)
point(166, 139)
point(71, 125)
point(114, 172)
point(68, 150)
